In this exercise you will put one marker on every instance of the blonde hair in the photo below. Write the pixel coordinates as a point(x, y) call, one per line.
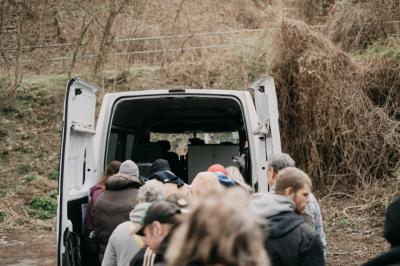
point(219, 231)
point(205, 183)
point(234, 173)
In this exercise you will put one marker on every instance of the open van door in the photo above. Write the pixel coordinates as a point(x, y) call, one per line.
point(76, 168)
point(269, 140)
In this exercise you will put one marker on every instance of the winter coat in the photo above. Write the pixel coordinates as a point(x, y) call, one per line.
point(123, 245)
point(114, 205)
point(95, 192)
point(291, 242)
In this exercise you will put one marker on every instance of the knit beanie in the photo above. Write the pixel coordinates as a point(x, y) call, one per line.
point(159, 165)
point(217, 168)
point(128, 167)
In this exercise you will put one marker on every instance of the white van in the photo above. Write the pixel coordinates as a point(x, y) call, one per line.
point(213, 126)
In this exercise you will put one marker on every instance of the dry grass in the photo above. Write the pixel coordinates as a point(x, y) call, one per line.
point(356, 24)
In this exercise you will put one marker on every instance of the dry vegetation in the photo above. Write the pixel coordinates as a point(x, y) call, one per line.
point(339, 95)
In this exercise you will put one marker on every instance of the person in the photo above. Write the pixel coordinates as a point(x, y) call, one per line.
point(276, 164)
point(290, 241)
point(220, 230)
point(392, 235)
point(205, 183)
point(114, 205)
point(157, 224)
point(312, 214)
point(220, 171)
point(234, 174)
point(124, 243)
point(161, 171)
point(89, 244)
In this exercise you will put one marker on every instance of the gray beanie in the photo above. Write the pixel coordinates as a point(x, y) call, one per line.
point(128, 167)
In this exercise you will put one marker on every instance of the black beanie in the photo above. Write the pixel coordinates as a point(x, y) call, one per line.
point(392, 223)
point(159, 165)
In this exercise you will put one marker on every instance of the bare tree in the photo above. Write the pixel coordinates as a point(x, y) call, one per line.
point(115, 8)
point(87, 21)
point(13, 67)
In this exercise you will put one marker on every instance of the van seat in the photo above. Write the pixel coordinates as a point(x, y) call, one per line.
point(148, 153)
point(144, 169)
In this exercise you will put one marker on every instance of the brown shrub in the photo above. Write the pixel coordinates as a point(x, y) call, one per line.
point(382, 76)
point(329, 124)
point(313, 11)
point(356, 24)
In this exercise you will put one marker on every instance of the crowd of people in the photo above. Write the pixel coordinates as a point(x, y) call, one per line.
point(216, 220)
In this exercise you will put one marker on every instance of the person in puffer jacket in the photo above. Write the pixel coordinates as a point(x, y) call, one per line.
point(115, 203)
point(290, 241)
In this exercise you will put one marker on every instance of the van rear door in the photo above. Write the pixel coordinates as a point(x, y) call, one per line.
point(76, 165)
point(268, 140)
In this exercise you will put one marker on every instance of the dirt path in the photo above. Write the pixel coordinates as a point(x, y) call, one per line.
point(28, 248)
point(353, 238)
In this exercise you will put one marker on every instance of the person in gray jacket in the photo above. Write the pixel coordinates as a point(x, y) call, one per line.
point(124, 243)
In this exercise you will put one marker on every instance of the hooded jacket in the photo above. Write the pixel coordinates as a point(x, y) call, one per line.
point(290, 241)
point(113, 206)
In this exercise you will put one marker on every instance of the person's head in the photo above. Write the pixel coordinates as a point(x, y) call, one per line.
point(276, 164)
point(220, 230)
point(217, 168)
point(392, 223)
point(159, 165)
point(129, 168)
point(149, 193)
point(161, 216)
point(111, 169)
point(295, 184)
point(234, 173)
point(205, 183)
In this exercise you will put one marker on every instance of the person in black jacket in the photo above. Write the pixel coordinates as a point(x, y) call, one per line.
point(290, 241)
point(392, 235)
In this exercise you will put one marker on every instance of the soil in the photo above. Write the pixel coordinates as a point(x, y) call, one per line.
point(28, 248)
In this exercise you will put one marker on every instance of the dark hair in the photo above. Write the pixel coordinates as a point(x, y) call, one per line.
point(111, 169)
point(291, 177)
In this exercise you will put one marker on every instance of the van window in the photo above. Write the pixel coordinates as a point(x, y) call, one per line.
point(120, 145)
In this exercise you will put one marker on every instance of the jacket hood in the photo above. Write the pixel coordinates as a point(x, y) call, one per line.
point(278, 211)
point(137, 214)
point(281, 224)
point(120, 181)
point(268, 204)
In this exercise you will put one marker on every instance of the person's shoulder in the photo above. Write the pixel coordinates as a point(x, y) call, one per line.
point(307, 231)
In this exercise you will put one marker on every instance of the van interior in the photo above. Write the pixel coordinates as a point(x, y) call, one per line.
point(191, 132)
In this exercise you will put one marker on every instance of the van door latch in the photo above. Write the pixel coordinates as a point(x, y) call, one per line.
point(262, 130)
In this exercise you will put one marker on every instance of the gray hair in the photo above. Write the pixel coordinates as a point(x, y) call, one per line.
point(150, 192)
point(281, 161)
